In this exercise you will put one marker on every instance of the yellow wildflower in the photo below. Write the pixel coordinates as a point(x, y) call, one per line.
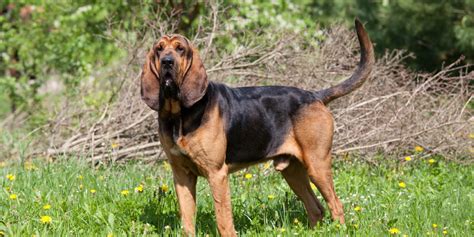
point(29, 166)
point(358, 208)
point(434, 225)
point(93, 191)
point(114, 145)
point(445, 232)
point(46, 219)
point(248, 176)
point(419, 149)
point(271, 196)
point(124, 192)
point(407, 158)
point(13, 196)
point(166, 166)
point(282, 230)
point(394, 231)
point(402, 185)
point(164, 188)
point(431, 161)
point(80, 177)
point(139, 189)
point(266, 165)
point(11, 177)
point(47, 207)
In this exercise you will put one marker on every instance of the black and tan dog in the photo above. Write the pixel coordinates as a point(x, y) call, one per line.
point(209, 129)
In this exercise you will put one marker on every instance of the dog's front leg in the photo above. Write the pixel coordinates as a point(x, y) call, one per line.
point(185, 185)
point(219, 182)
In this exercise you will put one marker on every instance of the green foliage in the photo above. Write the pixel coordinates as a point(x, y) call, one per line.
point(435, 31)
point(63, 38)
point(92, 202)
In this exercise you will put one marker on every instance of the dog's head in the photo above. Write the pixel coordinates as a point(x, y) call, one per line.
point(173, 67)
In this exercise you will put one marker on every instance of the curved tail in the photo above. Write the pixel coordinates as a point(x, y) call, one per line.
point(362, 72)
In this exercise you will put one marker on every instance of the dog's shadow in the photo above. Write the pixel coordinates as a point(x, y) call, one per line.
point(163, 214)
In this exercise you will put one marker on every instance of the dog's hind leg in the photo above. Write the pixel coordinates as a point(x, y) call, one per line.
point(314, 129)
point(297, 178)
point(320, 174)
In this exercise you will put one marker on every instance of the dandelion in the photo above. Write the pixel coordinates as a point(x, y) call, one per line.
point(166, 166)
point(124, 192)
point(357, 208)
point(10, 177)
point(248, 176)
point(431, 161)
point(394, 231)
point(271, 196)
point(30, 166)
point(434, 225)
point(80, 177)
point(445, 232)
point(139, 189)
point(164, 188)
point(46, 207)
point(266, 165)
point(419, 149)
point(407, 158)
point(114, 145)
point(13, 196)
point(46, 219)
point(402, 185)
point(93, 191)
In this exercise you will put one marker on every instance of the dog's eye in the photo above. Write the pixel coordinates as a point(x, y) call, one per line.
point(180, 48)
point(159, 48)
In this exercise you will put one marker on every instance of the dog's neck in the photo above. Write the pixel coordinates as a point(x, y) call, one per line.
point(178, 119)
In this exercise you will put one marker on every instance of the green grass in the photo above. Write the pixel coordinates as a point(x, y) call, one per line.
point(440, 193)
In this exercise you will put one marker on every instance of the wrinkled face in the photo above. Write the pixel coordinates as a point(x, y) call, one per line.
point(173, 69)
point(172, 56)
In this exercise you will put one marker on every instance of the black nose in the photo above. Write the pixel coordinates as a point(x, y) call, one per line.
point(167, 61)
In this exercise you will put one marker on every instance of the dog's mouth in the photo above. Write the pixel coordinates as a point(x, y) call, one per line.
point(170, 88)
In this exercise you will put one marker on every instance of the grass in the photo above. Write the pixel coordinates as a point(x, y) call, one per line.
point(437, 197)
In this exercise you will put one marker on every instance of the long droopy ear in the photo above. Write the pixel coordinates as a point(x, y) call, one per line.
point(194, 84)
point(150, 83)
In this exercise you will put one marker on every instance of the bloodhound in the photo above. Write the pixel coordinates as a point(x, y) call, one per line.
point(209, 129)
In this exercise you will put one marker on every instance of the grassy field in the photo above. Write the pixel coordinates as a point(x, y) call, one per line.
point(413, 198)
